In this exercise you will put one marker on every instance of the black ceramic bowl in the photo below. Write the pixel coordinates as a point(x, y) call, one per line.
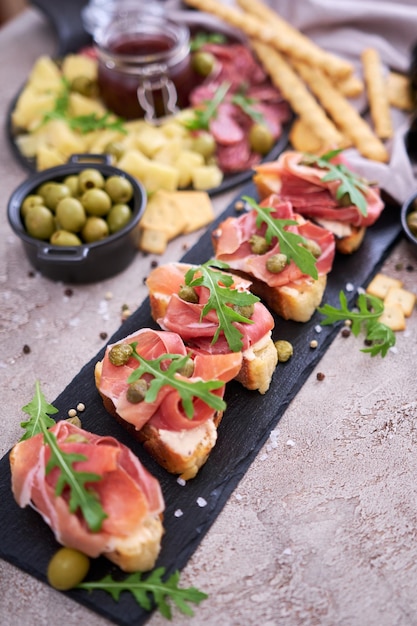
point(410, 206)
point(86, 263)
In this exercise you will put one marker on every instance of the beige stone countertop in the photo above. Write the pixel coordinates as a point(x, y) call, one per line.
point(322, 528)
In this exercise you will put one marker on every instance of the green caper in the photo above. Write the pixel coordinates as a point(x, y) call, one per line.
point(30, 201)
point(119, 215)
point(260, 138)
point(77, 422)
point(39, 222)
point(187, 369)
point(258, 244)
point(71, 215)
point(284, 350)
point(276, 263)
point(120, 353)
point(64, 238)
point(412, 222)
point(54, 193)
point(313, 247)
point(188, 294)
point(67, 568)
point(244, 310)
point(75, 437)
point(90, 178)
point(345, 200)
point(84, 85)
point(136, 391)
point(94, 229)
point(203, 62)
point(119, 189)
point(96, 202)
point(204, 143)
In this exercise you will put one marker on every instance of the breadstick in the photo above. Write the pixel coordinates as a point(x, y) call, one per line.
point(298, 96)
point(350, 87)
point(330, 63)
point(399, 91)
point(377, 93)
point(343, 114)
point(266, 32)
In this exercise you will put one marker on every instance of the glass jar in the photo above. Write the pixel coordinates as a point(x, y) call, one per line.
point(144, 67)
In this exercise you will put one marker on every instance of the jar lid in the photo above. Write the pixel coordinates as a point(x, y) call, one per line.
point(97, 14)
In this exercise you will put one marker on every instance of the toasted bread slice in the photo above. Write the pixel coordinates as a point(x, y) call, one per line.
point(138, 552)
point(258, 362)
point(181, 452)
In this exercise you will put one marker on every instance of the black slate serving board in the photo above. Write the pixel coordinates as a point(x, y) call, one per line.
point(27, 542)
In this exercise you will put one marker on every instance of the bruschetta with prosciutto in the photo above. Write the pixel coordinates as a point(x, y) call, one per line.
point(215, 312)
point(168, 397)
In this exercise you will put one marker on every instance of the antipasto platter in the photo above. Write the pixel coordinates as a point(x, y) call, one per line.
point(27, 542)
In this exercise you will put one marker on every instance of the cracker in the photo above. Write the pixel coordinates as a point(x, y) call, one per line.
point(313, 54)
point(399, 91)
point(393, 317)
point(402, 297)
point(261, 29)
point(153, 240)
point(381, 283)
point(377, 93)
point(298, 96)
point(161, 214)
point(343, 114)
point(197, 207)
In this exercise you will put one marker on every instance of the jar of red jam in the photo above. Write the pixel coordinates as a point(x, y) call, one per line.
point(144, 67)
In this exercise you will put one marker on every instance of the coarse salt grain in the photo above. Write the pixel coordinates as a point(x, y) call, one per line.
point(201, 501)
point(75, 321)
point(394, 349)
point(349, 287)
point(181, 481)
point(318, 328)
point(290, 442)
point(178, 513)
point(238, 496)
point(263, 457)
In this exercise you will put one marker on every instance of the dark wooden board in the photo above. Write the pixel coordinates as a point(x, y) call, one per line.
point(27, 542)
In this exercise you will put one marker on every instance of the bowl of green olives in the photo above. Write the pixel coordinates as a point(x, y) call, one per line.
point(77, 221)
point(409, 218)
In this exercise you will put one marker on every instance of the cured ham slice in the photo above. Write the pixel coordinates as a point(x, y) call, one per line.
point(167, 406)
point(304, 186)
point(129, 495)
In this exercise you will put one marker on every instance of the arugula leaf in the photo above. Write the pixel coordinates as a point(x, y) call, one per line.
point(349, 183)
point(222, 295)
point(80, 496)
point(245, 103)
point(187, 389)
point(201, 38)
point(291, 244)
point(153, 587)
point(202, 116)
point(366, 318)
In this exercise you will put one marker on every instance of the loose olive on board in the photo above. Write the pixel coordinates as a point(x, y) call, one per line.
point(67, 568)
point(83, 208)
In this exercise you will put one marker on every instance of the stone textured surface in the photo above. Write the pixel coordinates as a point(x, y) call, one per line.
point(321, 530)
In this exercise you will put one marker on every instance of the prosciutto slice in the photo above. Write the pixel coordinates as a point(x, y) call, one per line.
point(128, 493)
point(167, 406)
point(231, 241)
point(310, 195)
point(185, 318)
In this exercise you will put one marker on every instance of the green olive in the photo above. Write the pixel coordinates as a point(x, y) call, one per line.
point(204, 143)
point(119, 189)
point(260, 138)
point(64, 238)
point(412, 222)
point(39, 222)
point(54, 193)
point(203, 62)
point(71, 182)
point(90, 178)
point(30, 201)
point(42, 189)
point(84, 85)
point(118, 217)
point(71, 215)
point(276, 263)
point(188, 294)
point(258, 244)
point(136, 391)
point(96, 202)
point(94, 229)
point(115, 149)
point(120, 353)
point(67, 568)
